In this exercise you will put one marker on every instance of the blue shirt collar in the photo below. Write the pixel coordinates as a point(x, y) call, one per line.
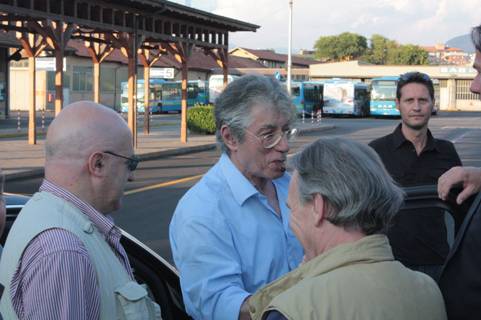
point(241, 188)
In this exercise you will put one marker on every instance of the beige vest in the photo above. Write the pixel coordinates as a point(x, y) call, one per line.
point(358, 280)
point(120, 297)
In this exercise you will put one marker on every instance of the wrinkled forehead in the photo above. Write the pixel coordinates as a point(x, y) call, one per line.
point(267, 116)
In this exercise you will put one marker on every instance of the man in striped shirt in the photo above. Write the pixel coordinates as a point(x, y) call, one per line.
point(63, 258)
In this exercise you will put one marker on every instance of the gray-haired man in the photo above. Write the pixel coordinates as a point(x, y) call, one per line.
point(342, 201)
point(230, 233)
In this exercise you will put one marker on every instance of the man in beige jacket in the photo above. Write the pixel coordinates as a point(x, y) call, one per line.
point(342, 201)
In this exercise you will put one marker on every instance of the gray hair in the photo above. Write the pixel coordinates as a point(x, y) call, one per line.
point(476, 37)
point(234, 104)
point(352, 180)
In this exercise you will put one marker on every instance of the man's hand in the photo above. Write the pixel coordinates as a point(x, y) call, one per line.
point(468, 177)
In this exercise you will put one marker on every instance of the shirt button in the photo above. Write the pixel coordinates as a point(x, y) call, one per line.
point(88, 227)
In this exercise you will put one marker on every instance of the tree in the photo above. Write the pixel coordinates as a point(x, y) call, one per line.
point(411, 55)
point(346, 46)
point(379, 50)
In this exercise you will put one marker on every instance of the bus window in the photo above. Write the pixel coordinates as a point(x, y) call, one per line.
point(295, 91)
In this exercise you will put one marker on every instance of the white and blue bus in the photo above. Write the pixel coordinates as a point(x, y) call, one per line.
point(216, 85)
point(166, 96)
point(383, 96)
point(346, 97)
point(307, 97)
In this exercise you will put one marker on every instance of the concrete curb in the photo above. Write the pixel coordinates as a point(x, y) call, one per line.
point(38, 172)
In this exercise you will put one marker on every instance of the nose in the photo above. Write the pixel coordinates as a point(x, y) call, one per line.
point(283, 144)
point(417, 105)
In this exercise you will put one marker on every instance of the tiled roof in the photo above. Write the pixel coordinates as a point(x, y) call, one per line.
point(198, 60)
point(434, 49)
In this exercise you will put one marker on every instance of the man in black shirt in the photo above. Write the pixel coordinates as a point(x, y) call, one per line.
point(414, 157)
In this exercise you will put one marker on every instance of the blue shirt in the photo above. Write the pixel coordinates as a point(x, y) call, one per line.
point(227, 241)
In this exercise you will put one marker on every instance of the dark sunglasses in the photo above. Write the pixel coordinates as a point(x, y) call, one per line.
point(131, 162)
point(410, 76)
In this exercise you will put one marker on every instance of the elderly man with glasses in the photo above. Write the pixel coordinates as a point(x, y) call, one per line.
point(230, 233)
point(414, 157)
point(63, 258)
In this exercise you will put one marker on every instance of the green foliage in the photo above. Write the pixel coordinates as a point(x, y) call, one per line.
point(411, 55)
point(200, 119)
point(346, 46)
point(349, 46)
point(380, 49)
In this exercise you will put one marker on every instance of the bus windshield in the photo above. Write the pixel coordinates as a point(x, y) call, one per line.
point(383, 90)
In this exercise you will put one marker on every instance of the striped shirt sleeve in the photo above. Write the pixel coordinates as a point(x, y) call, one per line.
point(56, 279)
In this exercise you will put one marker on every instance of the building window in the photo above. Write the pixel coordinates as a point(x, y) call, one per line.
point(463, 92)
point(82, 79)
point(107, 80)
point(51, 80)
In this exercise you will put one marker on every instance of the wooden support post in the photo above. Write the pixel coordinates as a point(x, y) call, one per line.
point(127, 42)
point(96, 76)
point(221, 58)
point(225, 71)
point(59, 53)
point(56, 35)
point(146, 99)
point(183, 121)
point(98, 52)
point(148, 57)
point(32, 126)
point(132, 100)
point(181, 52)
point(33, 45)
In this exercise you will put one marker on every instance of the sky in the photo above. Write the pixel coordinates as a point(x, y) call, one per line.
point(421, 22)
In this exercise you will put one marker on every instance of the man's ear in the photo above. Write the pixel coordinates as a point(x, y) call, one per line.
point(319, 209)
point(229, 140)
point(397, 103)
point(96, 164)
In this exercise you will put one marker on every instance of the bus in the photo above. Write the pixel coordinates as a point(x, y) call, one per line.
point(216, 85)
point(307, 97)
point(166, 96)
point(346, 97)
point(383, 96)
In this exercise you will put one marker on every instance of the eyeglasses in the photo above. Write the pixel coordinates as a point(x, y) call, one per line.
point(270, 140)
point(131, 162)
point(413, 76)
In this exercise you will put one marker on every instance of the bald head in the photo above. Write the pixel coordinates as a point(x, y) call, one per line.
point(77, 158)
point(82, 128)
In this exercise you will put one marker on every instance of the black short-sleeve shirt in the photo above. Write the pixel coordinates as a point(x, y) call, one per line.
point(417, 237)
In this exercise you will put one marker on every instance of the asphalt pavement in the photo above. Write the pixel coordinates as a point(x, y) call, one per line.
point(19, 160)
